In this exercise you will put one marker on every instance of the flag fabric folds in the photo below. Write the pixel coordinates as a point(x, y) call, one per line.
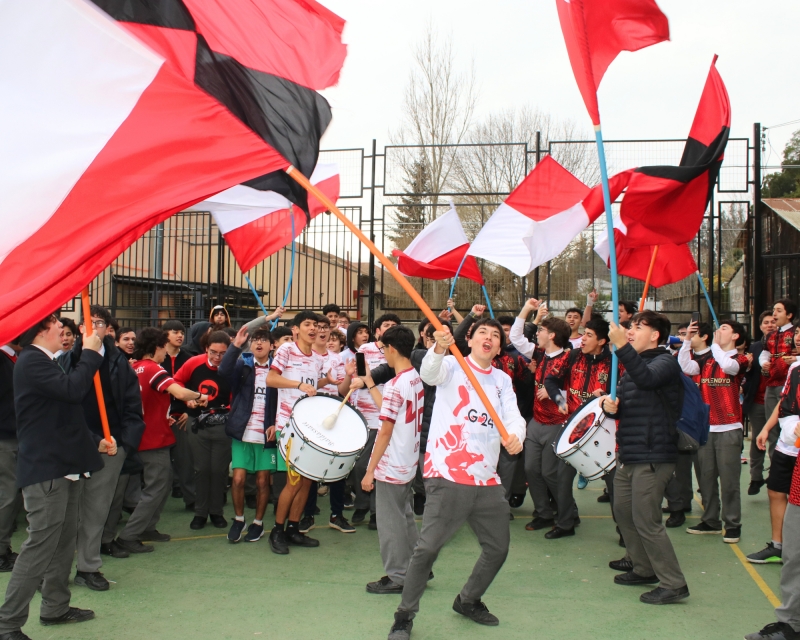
point(110, 127)
point(256, 224)
point(437, 252)
point(596, 31)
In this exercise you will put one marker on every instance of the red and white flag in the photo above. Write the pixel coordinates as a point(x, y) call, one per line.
point(537, 221)
point(256, 224)
point(438, 251)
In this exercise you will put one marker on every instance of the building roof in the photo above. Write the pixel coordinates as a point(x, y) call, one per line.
point(786, 208)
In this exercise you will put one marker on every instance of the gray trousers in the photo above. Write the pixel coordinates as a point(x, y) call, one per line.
point(183, 464)
point(720, 473)
point(448, 506)
point(115, 512)
point(157, 476)
point(511, 470)
point(789, 611)
point(47, 554)
point(10, 498)
point(772, 396)
point(211, 454)
point(679, 492)
point(364, 500)
point(418, 485)
point(133, 491)
point(96, 496)
point(397, 531)
point(545, 470)
point(638, 492)
point(758, 418)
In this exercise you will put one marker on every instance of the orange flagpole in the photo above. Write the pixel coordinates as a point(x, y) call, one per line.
point(98, 387)
point(649, 276)
point(306, 184)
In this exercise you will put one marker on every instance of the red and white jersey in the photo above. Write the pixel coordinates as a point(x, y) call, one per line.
point(332, 362)
point(254, 431)
point(463, 443)
point(293, 364)
point(403, 403)
point(361, 398)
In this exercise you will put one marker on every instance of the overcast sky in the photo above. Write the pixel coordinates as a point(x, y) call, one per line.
point(520, 59)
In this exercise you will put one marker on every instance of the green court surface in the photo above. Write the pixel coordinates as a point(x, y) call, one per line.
point(201, 587)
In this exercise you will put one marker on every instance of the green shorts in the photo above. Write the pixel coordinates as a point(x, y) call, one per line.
point(252, 457)
point(281, 460)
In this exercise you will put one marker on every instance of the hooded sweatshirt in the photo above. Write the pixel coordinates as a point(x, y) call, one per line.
point(217, 308)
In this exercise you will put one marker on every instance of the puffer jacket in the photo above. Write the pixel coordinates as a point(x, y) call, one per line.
point(646, 433)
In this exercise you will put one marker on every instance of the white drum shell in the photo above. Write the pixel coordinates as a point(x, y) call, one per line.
point(593, 455)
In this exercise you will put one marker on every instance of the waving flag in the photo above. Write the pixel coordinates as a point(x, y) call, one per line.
point(256, 224)
point(438, 251)
point(109, 126)
point(666, 204)
point(596, 31)
point(537, 221)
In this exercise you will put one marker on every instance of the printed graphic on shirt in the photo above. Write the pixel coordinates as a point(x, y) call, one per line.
point(546, 411)
point(254, 431)
point(403, 404)
point(332, 362)
point(361, 398)
point(293, 364)
point(720, 391)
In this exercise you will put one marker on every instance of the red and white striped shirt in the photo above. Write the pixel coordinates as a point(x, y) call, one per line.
point(403, 403)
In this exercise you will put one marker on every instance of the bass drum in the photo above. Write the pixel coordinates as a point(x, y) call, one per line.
point(588, 441)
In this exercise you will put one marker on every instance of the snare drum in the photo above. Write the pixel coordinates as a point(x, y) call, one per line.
point(588, 441)
point(324, 455)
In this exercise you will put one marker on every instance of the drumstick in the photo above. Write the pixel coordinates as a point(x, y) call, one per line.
point(330, 421)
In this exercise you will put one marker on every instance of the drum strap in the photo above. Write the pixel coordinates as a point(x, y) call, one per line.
point(293, 476)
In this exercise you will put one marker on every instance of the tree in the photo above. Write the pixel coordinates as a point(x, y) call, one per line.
point(410, 216)
point(787, 182)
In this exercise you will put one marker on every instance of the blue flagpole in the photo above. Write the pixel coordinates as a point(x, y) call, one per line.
point(708, 299)
point(488, 304)
point(612, 250)
point(255, 294)
point(455, 277)
point(291, 271)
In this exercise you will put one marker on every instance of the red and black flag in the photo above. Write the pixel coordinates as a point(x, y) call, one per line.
point(666, 204)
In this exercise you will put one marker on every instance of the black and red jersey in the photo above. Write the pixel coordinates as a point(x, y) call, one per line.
point(790, 396)
point(779, 344)
point(514, 366)
point(546, 411)
point(720, 390)
point(582, 375)
point(198, 375)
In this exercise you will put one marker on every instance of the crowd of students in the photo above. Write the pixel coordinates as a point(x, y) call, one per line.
point(193, 413)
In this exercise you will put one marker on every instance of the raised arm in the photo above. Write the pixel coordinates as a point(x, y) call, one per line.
point(688, 366)
point(727, 364)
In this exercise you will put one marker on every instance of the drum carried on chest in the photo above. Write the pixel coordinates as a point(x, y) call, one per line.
point(588, 441)
point(324, 455)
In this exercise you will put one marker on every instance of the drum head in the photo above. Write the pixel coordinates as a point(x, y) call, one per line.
point(348, 434)
point(579, 424)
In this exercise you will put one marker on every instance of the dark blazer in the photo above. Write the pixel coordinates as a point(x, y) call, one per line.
point(240, 372)
point(752, 378)
point(8, 419)
point(54, 440)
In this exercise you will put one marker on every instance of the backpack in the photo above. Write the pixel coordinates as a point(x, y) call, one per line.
point(695, 420)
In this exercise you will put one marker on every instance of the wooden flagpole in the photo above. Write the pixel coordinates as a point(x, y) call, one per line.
point(649, 276)
point(98, 386)
point(401, 280)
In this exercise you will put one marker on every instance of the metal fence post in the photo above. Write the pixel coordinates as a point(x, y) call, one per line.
point(758, 230)
point(371, 299)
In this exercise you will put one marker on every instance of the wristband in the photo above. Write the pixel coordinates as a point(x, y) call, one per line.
point(372, 387)
point(299, 384)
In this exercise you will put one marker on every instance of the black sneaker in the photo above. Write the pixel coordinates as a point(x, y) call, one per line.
point(94, 580)
point(359, 515)
point(703, 529)
point(198, 522)
point(604, 497)
point(515, 500)
point(254, 532)
point(631, 578)
point(306, 524)
point(298, 539)
point(14, 635)
point(732, 535)
point(134, 546)
point(419, 504)
point(401, 629)
point(155, 536)
point(660, 595)
point(218, 521)
point(236, 532)
point(754, 489)
point(72, 615)
point(540, 523)
point(557, 532)
point(7, 561)
point(114, 550)
point(676, 519)
point(349, 501)
point(768, 555)
point(373, 522)
point(621, 565)
point(668, 510)
point(774, 631)
point(278, 542)
point(475, 611)
point(384, 585)
point(341, 524)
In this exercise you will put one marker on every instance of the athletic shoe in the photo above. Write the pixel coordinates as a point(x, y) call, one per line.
point(218, 521)
point(631, 578)
point(278, 542)
point(73, 614)
point(322, 490)
point(604, 497)
point(384, 585)
point(198, 522)
point(373, 522)
point(732, 535)
point(582, 482)
point(359, 515)
point(768, 555)
point(419, 504)
point(774, 631)
point(298, 539)
point(341, 524)
point(114, 550)
point(134, 546)
point(349, 501)
point(754, 489)
point(540, 523)
point(703, 529)
point(254, 532)
point(557, 532)
point(154, 536)
point(237, 531)
point(306, 524)
point(515, 500)
point(660, 595)
point(401, 629)
point(7, 561)
point(668, 510)
point(94, 580)
point(676, 519)
point(14, 635)
point(621, 565)
point(475, 611)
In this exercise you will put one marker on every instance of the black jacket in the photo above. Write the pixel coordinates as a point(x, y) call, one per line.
point(752, 378)
point(126, 419)
point(54, 440)
point(8, 419)
point(646, 433)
